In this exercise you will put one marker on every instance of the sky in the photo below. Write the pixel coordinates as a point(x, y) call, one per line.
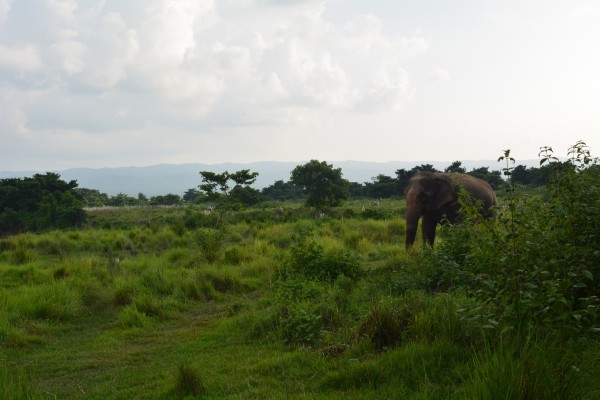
point(110, 83)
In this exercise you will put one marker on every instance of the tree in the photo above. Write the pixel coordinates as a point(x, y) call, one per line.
point(403, 176)
point(192, 196)
point(383, 186)
point(323, 183)
point(216, 188)
point(423, 168)
point(91, 197)
point(494, 178)
point(121, 200)
point(358, 190)
point(281, 190)
point(457, 167)
point(166, 200)
point(37, 203)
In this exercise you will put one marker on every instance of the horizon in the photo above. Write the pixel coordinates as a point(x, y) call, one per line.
point(526, 162)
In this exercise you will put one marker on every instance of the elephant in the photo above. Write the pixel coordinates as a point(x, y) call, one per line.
point(434, 195)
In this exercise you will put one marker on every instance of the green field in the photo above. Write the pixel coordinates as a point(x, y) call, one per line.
point(277, 301)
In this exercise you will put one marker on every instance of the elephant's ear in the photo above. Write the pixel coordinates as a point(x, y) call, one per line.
point(445, 193)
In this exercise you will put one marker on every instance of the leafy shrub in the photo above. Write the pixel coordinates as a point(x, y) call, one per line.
point(540, 264)
point(308, 258)
point(210, 242)
point(300, 324)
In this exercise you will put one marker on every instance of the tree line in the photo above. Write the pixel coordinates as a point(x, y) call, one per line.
point(380, 186)
point(44, 201)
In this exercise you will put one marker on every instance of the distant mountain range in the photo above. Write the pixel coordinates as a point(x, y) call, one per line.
point(177, 178)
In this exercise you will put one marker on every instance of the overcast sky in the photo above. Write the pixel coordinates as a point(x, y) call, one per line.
point(141, 82)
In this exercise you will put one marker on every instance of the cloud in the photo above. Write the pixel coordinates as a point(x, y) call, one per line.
point(20, 58)
point(438, 75)
point(195, 67)
point(4, 9)
point(13, 120)
point(64, 9)
point(389, 87)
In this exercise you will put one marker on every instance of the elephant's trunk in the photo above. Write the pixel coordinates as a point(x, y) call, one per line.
point(413, 213)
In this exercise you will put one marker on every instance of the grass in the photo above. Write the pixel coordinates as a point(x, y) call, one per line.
point(161, 305)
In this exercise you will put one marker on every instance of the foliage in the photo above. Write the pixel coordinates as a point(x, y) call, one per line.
point(216, 188)
point(210, 242)
point(323, 183)
point(192, 196)
point(383, 186)
point(538, 266)
point(91, 197)
point(308, 258)
point(166, 200)
point(494, 178)
point(456, 167)
point(281, 191)
point(39, 203)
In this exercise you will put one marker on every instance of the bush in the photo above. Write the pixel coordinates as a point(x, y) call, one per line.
point(540, 264)
point(210, 242)
point(308, 258)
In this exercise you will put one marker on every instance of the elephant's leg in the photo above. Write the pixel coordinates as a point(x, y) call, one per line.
point(428, 225)
point(412, 223)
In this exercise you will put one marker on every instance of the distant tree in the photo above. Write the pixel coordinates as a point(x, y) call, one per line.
point(121, 200)
point(242, 192)
point(142, 199)
point(494, 178)
point(456, 166)
point(91, 197)
point(246, 195)
point(403, 176)
point(216, 188)
point(423, 168)
point(382, 186)
point(43, 201)
point(532, 176)
point(358, 190)
point(324, 184)
point(281, 191)
point(166, 200)
point(214, 185)
point(192, 196)
point(243, 177)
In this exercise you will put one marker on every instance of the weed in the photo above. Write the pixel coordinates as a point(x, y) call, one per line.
point(210, 243)
point(308, 258)
point(188, 381)
point(131, 317)
point(383, 324)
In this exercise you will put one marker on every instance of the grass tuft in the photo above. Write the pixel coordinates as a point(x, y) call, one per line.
point(188, 381)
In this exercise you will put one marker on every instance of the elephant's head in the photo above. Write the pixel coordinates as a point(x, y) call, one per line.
point(426, 194)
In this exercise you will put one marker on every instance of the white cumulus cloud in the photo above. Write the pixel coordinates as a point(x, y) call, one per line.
point(20, 58)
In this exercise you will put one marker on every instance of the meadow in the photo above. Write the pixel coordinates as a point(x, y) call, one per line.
point(280, 301)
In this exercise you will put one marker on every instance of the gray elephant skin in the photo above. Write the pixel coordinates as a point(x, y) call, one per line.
point(434, 196)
